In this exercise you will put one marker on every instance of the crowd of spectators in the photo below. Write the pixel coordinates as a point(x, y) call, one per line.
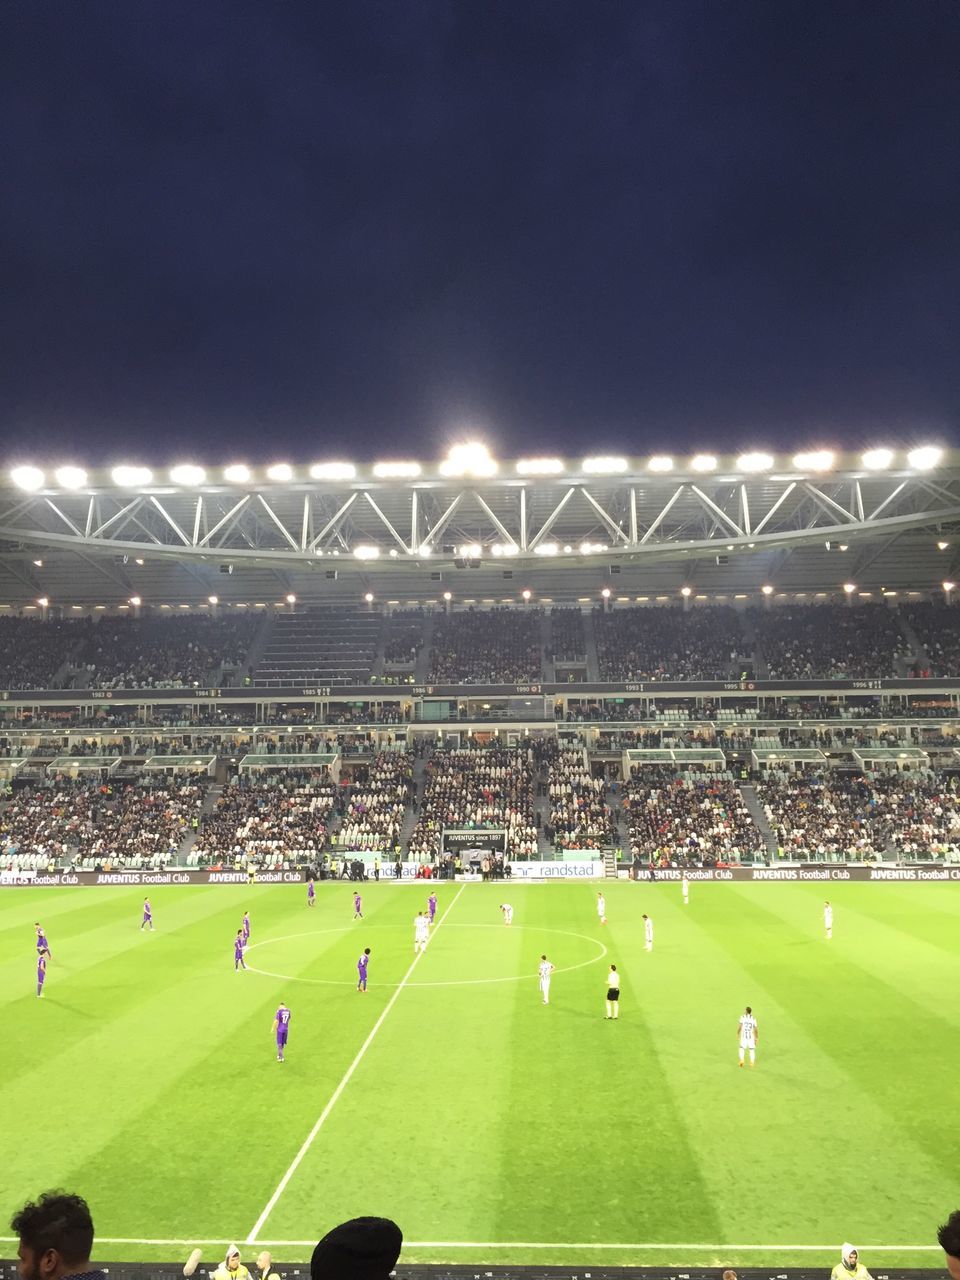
point(32, 652)
point(165, 653)
point(668, 643)
point(269, 823)
point(404, 637)
point(568, 639)
point(375, 810)
point(579, 816)
point(832, 641)
point(465, 789)
point(688, 818)
point(495, 646)
point(84, 824)
point(937, 627)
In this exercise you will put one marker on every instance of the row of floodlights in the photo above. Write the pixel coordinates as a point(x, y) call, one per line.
point(475, 464)
point(526, 595)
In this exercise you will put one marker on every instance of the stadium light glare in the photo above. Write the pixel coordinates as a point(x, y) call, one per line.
point(469, 459)
point(291, 598)
point(849, 588)
point(71, 477)
point(546, 549)
point(369, 597)
point(43, 602)
point(129, 477)
point(767, 589)
point(686, 591)
point(540, 466)
point(448, 595)
point(925, 457)
point(187, 474)
point(948, 586)
point(754, 462)
point(396, 470)
point(817, 460)
point(877, 459)
point(27, 477)
point(366, 552)
point(605, 593)
point(213, 599)
point(526, 593)
point(333, 471)
point(942, 545)
point(660, 462)
point(38, 563)
point(136, 601)
point(470, 551)
point(281, 472)
point(505, 549)
point(604, 466)
point(425, 549)
point(237, 473)
point(703, 462)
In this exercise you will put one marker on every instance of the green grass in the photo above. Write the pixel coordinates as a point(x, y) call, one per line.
point(147, 1080)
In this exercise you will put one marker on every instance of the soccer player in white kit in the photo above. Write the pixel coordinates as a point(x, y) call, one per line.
point(748, 1032)
point(647, 932)
point(421, 934)
point(602, 908)
point(828, 919)
point(507, 910)
point(545, 970)
point(613, 993)
point(685, 888)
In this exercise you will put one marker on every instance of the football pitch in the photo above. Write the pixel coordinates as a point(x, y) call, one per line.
point(491, 1127)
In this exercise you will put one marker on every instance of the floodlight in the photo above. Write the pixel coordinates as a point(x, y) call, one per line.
point(849, 588)
point(131, 477)
point(38, 563)
point(471, 459)
point(237, 473)
point(948, 586)
point(754, 462)
point(767, 589)
point(942, 546)
point(213, 599)
point(187, 474)
point(925, 457)
point(526, 593)
point(818, 460)
point(877, 459)
point(396, 470)
point(604, 465)
point(505, 549)
point(43, 602)
point(540, 466)
point(686, 591)
point(27, 477)
point(605, 593)
point(291, 598)
point(703, 462)
point(281, 472)
point(369, 597)
point(660, 462)
point(71, 477)
point(448, 595)
point(135, 601)
point(424, 549)
point(333, 471)
point(546, 549)
point(470, 551)
point(366, 552)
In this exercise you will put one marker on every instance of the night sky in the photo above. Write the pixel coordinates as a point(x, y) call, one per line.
point(280, 229)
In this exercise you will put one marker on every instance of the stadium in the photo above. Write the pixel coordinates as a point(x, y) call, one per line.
point(560, 695)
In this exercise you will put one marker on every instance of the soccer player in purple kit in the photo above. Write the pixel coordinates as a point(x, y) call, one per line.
point(41, 974)
point(281, 1023)
point(311, 893)
point(43, 946)
point(238, 962)
point(432, 905)
point(147, 915)
point(362, 971)
point(357, 907)
point(246, 927)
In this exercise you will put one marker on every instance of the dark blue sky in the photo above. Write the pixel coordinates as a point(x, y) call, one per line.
point(252, 229)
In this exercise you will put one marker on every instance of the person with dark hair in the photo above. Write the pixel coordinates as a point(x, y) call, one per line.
point(56, 1238)
point(361, 1249)
point(949, 1238)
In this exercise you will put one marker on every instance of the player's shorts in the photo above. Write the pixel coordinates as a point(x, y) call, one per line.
point(281, 1039)
point(613, 993)
point(748, 1044)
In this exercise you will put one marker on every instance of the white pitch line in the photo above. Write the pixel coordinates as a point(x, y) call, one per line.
point(308, 1141)
point(539, 1244)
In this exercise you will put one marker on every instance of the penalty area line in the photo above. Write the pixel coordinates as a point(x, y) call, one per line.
point(334, 1097)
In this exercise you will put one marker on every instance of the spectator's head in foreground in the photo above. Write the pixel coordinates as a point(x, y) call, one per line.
point(949, 1237)
point(361, 1249)
point(56, 1236)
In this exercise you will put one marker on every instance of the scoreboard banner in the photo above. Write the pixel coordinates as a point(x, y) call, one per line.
point(475, 840)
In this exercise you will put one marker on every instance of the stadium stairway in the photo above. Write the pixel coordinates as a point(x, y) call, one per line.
point(913, 640)
point(590, 636)
point(610, 864)
point(546, 646)
point(260, 640)
point(752, 801)
point(421, 673)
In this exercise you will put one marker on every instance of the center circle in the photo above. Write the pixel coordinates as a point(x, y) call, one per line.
point(455, 982)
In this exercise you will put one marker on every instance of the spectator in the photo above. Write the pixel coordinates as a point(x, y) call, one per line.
point(850, 1267)
point(361, 1249)
point(949, 1238)
point(497, 646)
point(55, 1238)
point(231, 1268)
point(667, 644)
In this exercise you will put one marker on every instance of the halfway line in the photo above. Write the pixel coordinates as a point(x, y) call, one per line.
point(271, 1203)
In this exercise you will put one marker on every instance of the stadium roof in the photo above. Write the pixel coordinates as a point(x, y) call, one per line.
point(483, 529)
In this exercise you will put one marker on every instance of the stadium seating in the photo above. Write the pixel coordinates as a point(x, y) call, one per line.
point(268, 824)
point(164, 653)
point(32, 653)
point(937, 627)
point(334, 646)
point(377, 805)
point(831, 640)
point(475, 789)
point(667, 643)
point(496, 646)
point(579, 817)
point(688, 818)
